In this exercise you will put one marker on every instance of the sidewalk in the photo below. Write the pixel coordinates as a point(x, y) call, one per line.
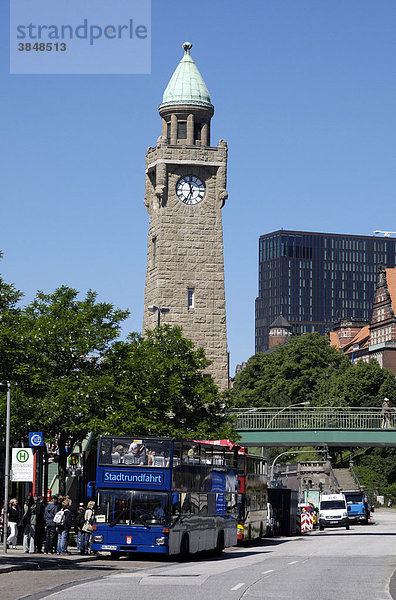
point(17, 560)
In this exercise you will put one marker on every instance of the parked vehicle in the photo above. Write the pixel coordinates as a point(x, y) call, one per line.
point(358, 510)
point(333, 511)
point(164, 495)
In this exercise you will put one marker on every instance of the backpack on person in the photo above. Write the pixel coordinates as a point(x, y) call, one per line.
point(59, 518)
point(80, 519)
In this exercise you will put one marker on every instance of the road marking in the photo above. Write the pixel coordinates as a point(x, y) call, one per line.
point(293, 562)
point(236, 587)
point(266, 572)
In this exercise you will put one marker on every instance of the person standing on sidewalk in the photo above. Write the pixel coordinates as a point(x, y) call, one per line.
point(50, 528)
point(14, 516)
point(40, 528)
point(64, 527)
point(29, 525)
point(87, 527)
point(79, 521)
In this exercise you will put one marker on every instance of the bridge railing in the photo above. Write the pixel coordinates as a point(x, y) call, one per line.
point(310, 418)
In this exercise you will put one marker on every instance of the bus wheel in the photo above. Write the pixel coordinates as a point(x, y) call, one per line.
point(185, 547)
point(115, 555)
point(220, 544)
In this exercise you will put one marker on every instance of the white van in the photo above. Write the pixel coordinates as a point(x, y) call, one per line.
point(333, 511)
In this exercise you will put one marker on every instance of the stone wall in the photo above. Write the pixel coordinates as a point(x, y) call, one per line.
point(185, 248)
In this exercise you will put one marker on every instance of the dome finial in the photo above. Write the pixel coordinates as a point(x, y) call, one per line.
point(187, 47)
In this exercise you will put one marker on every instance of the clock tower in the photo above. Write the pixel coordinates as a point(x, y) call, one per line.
point(185, 192)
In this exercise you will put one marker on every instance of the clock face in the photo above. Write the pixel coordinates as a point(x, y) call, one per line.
point(190, 190)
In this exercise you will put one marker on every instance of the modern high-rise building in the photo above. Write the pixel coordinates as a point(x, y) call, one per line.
point(315, 279)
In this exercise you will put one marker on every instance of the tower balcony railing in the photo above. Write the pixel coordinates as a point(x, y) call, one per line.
point(311, 417)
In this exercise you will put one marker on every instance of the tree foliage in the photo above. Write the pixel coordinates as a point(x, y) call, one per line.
point(363, 384)
point(160, 388)
point(71, 377)
point(11, 350)
point(64, 340)
point(307, 368)
point(291, 373)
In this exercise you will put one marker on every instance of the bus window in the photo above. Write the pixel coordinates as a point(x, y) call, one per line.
point(232, 503)
point(177, 454)
point(229, 458)
point(203, 504)
point(190, 453)
point(241, 464)
point(194, 499)
point(218, 456)
point(206, 455)
point(212, 508)
point(150, 508)
point(113, 506)
point(175, 504)
point(185, 504)
point(134, 452)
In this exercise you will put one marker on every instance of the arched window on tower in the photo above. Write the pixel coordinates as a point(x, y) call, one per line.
point(197, 131)
point(182, 130)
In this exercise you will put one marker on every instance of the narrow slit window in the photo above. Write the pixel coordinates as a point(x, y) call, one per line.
point(190, 297)
point(154, 251)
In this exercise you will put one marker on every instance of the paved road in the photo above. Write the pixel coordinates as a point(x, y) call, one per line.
point(354, 565)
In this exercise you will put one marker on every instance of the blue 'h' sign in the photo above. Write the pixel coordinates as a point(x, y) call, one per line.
point(36, 439)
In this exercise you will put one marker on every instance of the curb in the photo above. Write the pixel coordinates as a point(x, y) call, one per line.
point(23, 564)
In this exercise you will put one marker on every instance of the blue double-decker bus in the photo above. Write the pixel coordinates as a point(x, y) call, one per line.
point(163, 495)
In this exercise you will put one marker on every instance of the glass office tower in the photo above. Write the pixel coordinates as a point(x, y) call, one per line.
point(315, 279)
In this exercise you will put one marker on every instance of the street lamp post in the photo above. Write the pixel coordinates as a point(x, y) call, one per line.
point(327, 400)
point(289, 452)
point(7, 467)
point(159, 309)
point(307, 403)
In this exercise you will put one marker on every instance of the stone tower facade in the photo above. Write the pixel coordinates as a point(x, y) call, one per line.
point(185, 192)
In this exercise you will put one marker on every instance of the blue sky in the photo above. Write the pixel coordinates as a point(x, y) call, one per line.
point(304, 93)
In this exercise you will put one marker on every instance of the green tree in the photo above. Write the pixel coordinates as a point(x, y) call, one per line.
point(160, 388)
point(363, 384)
point(307, 368)
point(291, 373)
point(11, 350)
point(65, 340)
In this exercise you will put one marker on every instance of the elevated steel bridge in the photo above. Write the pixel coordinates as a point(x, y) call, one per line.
point(314, 426)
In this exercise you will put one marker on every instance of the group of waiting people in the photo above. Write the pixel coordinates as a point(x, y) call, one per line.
point(42, 525)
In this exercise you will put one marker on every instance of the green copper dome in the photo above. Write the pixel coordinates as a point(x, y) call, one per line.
point(186, 85)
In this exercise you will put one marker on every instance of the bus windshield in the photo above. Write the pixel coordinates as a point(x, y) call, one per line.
point(126, 507)
point(134, 452)
point(354, 497)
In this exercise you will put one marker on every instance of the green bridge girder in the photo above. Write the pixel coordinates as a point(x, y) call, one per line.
point(317, 437)
point(315, 426)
